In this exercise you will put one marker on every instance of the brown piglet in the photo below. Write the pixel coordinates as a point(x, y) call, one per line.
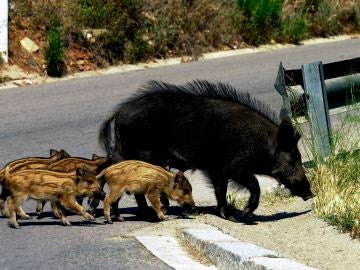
point(23, 164)
point(138, 177)
point(45, 185)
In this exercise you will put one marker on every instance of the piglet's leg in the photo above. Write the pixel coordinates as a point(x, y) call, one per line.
point(56, 209)
point(3, 196)
point(22, 213)
point(71, 204)
point(39, 208)
point(109, 199)
point(59, 213)
point(155, 201)
point(13, 203)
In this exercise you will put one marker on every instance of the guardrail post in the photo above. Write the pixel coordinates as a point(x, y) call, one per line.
point(4, 12)
point(318, 111)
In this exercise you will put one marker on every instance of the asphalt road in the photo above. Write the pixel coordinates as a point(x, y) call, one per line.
point(67, 114)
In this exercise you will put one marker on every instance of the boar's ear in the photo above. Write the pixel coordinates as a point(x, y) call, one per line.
point(53, 152)
point(64, 154)
point(287, 136)
point(79, 174)
point(179, 175)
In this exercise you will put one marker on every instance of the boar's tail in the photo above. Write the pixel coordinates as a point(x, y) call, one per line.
point(105, 140)
point(108, 142)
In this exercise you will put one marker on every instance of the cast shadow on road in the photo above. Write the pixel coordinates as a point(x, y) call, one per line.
point(237, 215)
point(174, 212)
point(56, 222)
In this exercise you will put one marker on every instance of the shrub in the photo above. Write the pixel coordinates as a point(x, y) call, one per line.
point(54, 55)
point(262, 20)
point(295, 29)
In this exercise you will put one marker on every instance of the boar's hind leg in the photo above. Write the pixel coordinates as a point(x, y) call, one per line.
point(142, 204)
point(220, 183)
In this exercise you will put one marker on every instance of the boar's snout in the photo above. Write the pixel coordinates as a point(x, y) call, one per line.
point(308, 197)
point(189, 206)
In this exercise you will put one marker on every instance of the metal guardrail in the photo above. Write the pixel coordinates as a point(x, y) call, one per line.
point(315, 88)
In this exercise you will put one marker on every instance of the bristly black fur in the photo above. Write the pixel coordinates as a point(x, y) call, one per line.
point(208, 89)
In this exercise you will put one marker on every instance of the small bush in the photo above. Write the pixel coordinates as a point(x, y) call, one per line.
point(54, 55)
point(295, 29)
point(262, 20)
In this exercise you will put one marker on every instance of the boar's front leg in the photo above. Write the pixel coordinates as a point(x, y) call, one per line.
point(250, 182)
point(70, 203)
point(142, 204)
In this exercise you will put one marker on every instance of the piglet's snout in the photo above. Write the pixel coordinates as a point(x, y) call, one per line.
point(189, 207)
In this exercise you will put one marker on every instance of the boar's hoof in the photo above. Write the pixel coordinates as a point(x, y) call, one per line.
point(232, 218)
point(14, 226)
point(308, 197)
point(67, 223)
point(89, 217)
point(108, 221)
point(164, 209)
point(222, 211)
point(25, 217)
point(120, 219)
point(162, 217)
point(40, 215)
point(91, 211)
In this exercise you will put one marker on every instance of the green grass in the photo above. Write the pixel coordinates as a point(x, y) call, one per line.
point(54, 56)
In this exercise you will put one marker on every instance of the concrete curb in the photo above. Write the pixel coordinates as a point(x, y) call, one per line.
point(227, 252)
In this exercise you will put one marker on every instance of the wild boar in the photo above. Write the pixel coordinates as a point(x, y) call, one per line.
point(27, 163)
point(48, 185)
point(208, 126)
point(133, 176)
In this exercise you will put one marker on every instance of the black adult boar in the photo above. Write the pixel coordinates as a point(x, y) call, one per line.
point(211, 127)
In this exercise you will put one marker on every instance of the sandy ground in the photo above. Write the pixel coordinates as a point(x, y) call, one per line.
point(287, 227)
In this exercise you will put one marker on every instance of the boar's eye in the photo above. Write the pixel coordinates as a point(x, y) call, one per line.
point(89, 181)
point(186, 191)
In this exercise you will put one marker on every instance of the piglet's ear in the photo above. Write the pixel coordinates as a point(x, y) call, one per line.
point(287, 136)
point(95, 156)
point(53, 152)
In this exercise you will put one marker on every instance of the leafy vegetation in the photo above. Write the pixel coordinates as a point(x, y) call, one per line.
point(147, 29)
point(54, 56)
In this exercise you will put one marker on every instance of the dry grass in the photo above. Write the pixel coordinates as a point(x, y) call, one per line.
point(336, 180)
